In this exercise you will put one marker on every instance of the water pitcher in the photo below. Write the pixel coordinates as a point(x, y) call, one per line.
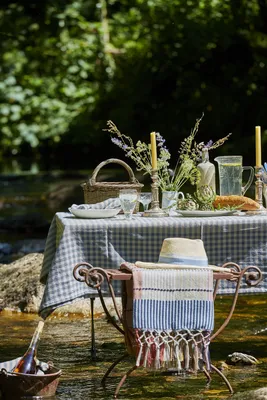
point(230, 175)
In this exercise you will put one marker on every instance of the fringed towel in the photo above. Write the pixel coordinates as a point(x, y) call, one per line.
point(172, 317)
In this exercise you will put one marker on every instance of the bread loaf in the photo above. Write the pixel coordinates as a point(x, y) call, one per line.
point(241, 202)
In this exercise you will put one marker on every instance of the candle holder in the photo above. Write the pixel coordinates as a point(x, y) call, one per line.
point(258, 192)
point(155, 210)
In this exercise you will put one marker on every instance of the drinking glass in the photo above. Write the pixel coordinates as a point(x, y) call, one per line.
point(145, 199)
point(128, 198)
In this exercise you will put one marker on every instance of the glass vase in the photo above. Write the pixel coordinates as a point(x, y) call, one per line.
point(207, 171)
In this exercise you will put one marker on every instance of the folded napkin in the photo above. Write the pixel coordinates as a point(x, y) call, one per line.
point(109, 203)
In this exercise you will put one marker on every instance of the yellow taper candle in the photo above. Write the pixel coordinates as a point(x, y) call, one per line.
point(153, 150)
point(258, 145)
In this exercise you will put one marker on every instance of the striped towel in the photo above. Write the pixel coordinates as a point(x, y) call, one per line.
point(173, 314)
point(142, 264)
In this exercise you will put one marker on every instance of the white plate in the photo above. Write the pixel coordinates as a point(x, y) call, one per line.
point(94, 213)
point(199, 213)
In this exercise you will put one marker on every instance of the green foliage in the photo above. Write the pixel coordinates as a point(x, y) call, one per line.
point(51, 72)
point(148, 64)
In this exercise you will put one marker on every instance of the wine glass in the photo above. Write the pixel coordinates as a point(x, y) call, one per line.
point(145, 199)
point(128, 199)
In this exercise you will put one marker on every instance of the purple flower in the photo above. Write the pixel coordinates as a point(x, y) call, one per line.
point(117, 142)
point(160, 139)
point(209, 144)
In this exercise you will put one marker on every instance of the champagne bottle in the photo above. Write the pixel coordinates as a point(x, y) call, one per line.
point(27, 364)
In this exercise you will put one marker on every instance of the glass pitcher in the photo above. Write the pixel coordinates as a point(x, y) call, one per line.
point(230, 175)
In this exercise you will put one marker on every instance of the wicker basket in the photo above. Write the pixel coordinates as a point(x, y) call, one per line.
point(95, 192)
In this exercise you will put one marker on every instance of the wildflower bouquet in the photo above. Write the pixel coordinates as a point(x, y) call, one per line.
point(186, 165)
point(168, 179)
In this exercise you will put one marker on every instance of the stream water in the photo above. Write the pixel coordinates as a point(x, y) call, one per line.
point(66, 341)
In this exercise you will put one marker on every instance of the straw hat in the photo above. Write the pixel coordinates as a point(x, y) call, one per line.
point(183, 251)
point(177, 253)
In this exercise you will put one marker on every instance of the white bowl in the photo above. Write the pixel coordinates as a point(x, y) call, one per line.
point(95, 213)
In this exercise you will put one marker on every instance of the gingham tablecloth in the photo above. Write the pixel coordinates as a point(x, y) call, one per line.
point(106, 243)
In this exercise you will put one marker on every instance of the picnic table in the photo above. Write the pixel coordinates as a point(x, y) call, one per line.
point(107, 243)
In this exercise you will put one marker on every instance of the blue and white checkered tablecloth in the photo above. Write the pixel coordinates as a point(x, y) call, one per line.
point(106, 243)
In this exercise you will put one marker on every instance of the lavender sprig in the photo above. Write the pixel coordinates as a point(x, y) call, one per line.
point(213, 145)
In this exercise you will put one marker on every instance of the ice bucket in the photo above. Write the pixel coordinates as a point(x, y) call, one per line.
point(16, 386)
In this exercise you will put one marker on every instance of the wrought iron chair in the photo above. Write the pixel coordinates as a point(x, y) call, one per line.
point(94, 278)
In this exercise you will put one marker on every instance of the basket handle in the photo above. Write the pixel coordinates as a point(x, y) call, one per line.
point(132, 178)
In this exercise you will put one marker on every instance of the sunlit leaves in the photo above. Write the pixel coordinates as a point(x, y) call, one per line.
point(56, 67)
point(50, 78)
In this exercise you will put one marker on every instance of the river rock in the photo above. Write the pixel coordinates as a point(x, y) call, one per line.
point(241, 359)
point(21, 291)
point(259, 394)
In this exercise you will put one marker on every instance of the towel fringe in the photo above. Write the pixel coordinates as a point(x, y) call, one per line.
point(184, 350)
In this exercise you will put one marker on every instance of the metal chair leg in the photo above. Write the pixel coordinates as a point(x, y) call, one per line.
point(123, 380)
point(113, 365)
point(207, 375)
point(93, 345)
point(223, 377)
